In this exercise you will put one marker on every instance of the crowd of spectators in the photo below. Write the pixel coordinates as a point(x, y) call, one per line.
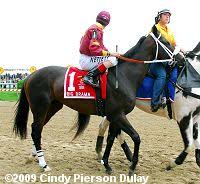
point(8, 80)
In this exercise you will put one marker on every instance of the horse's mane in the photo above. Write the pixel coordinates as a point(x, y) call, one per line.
point(135, 48)
point(131, 52)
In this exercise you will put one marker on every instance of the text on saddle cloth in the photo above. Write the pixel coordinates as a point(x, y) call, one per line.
point(74, 87)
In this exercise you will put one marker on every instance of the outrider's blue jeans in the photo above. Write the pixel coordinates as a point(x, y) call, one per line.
point(159, 71)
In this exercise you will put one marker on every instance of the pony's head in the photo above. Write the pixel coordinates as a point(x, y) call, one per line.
point(193, 57)
point(196, 50)
point(194, 53)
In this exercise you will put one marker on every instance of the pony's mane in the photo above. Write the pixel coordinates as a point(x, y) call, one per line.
point(194, 52)
point(197, 49)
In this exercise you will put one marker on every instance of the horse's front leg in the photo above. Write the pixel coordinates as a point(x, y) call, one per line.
point(186, 129)
point(112, 132)
point(99, 143)
point(123, 124)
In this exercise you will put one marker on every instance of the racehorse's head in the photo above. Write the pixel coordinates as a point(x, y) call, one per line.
point(155, 46)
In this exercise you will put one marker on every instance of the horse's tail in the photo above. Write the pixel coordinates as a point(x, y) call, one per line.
point(81, 124)
point(21, 115)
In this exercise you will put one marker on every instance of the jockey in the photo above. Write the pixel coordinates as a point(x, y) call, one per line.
point(159, 69)
point(95, 57)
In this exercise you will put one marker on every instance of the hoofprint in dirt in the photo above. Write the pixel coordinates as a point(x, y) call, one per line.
point(160, 138)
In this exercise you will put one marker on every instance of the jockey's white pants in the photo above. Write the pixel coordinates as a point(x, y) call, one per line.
point(90, 62)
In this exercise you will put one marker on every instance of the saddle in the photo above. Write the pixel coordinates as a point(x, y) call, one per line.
point(145, 90)
point(75, 88)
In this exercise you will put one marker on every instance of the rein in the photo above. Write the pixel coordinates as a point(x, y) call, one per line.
point(141, 61)
point(130, 60)
point(155, 60)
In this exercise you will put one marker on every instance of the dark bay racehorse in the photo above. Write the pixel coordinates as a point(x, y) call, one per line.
point(43, 92)
point(185, 110)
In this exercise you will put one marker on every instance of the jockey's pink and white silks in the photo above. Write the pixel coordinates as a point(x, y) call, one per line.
point(90, 62)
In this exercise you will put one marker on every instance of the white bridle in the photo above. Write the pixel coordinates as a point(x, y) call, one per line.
point(169, 52)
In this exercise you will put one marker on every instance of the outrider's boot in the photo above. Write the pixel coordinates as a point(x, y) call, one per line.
point(90, 78)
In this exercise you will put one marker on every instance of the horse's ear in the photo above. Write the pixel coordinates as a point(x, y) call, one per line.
point(197, 48)
point(155, 30)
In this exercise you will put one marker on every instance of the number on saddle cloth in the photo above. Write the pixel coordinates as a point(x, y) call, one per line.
point(74, 87)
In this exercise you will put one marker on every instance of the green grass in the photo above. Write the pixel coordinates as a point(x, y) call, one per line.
point(10, 96)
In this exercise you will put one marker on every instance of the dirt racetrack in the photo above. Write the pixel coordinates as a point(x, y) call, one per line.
point(161, 141)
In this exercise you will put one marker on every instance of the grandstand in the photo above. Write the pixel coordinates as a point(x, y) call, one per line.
point(10, 77)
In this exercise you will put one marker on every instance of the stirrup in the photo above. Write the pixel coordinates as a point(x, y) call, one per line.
point(91, 82)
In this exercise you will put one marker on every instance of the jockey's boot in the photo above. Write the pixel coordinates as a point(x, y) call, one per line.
point(90, 78)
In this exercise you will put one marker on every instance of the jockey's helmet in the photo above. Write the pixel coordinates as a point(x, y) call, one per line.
point(157, 18)
point(103, 18)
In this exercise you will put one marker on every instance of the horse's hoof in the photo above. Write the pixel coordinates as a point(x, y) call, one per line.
point(168, 168)
point(47, 168)
point(108, 168)
point(109, 171)
point(131, 172)
point(171, 165)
